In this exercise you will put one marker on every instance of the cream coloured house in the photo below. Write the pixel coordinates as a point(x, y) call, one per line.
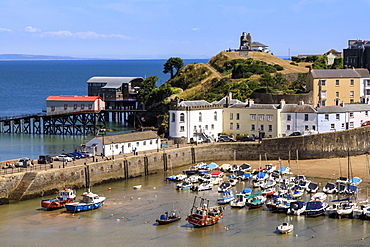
point(259, 120)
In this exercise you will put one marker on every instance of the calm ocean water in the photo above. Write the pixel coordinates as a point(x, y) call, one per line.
point(25, 85)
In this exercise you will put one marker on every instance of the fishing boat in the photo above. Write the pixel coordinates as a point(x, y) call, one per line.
point(285, 228)
point(202, 214)
point(184, 185)
point(206, 185)
point(168, 218)
point(255, 200)
point(269, 191)
point(89, 201)
point(65, 196)
point(239, 201)
point(227, 197)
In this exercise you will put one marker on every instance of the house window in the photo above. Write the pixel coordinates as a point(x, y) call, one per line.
point(237, 126)
point(237, 116)
point(306, 128)
point(366, 113)
point(52, 108)
point(262, 128)
point(342, 125)
point(367, 82)
point(261, 117)
point(129, 145)
point(173, 117)
point(288, 127)
point(206, 127)
point(231, 126)
point(269, 118)
point(253, 117)
point(352, 83)
point(253, 127)
point(65, 106)
point(351, 101)
point(351, 93)
point(90, 106)
point(144, 143)
point(289, 117)
point(82, 106)
point(337, 116)
point(75, 106)
point(270, 128)
point(323, 82)
point(323, 94)
point(137, 144)
point(305, 117)
point(326, 116)
point(367, 91)
point(182, 117)
point(231, 116)
point(337, 101)
point(215, 116)
point(351, 114)
point(332, 126)
point(337, 94)
point(212, 126)
point(313, 127)
point(200, 117)
point(182, 128)
point(323, 102)
point(337, 83)
point(351, 124)
point(151, 142)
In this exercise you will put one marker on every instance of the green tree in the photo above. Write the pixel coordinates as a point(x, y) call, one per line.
point(338, 63)
point(172, 64)
point(146, 89)
point(266, 80)
point(280, 80)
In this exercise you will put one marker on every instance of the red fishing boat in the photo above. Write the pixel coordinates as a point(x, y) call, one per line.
point(65, 196)
point(203, 215)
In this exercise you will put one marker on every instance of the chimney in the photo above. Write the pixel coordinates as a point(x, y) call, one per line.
point(301, 102)
point(282, 103)
point(251, 102)
point(231, 96)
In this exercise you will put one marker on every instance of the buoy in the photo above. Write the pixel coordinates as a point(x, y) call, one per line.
point(73, 215)
point(154, 188)
point(296, 235)
point(117, 219)
point(362, 239)
point(227, 229)
point(122, 217)
point(145, 222)
point(139, 198)
point(112, 215)
point(109, 188)
point(313, 236)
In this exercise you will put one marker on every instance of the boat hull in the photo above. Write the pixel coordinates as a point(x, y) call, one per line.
point(165, 222)
point(79, 207)
point(196, 222)
point(51, 204)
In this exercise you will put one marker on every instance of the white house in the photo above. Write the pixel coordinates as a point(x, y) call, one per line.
point(356, 114)
point(331, 118)
point(109, 145)
point(298, 118)
point(196, 121)
point(70, 104)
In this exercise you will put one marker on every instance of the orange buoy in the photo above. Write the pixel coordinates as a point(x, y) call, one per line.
point(123, 218)
point(112, 215)
point(109, 188)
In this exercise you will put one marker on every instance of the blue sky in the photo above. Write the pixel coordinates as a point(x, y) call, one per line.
point(142, 29)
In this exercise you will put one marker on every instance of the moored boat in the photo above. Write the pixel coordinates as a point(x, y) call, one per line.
point(315, 208)
point(168, 218)
point(227, 197)
point(89, 201)
point(202, 214)
point(285, 228)
point(65, 196)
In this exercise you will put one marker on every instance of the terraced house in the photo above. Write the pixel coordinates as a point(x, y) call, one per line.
point(336, 86)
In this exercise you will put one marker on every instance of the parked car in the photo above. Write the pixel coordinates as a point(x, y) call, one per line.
point(63, 157)
point(70, 155)
point(296, 134)
point(45, 159)
point(226, 139)
point(23, 162)
point(82, 155)
point(88, 154)
point(247, 139)
point(365, 123)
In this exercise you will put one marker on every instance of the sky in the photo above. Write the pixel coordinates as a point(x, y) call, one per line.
point(160, 29)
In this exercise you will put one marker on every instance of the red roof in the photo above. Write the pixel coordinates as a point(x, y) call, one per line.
point(73, 98)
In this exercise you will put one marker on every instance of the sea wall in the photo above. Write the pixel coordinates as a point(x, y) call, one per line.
point(25, 185)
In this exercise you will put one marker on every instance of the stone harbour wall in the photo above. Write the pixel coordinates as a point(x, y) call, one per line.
point(26, 185)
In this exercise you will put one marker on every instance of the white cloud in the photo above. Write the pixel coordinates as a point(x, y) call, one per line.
point(83, 35)
point(32, 29)
point(4, 29)
point(195, 29)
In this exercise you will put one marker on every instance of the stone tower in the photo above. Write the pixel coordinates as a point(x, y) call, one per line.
point(245, 42)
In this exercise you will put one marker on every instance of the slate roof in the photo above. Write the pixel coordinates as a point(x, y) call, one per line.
point(112, 82)
point(331, 109)
point(223, 101)
point(128, 137)
point(340, 73)
point(194, 103)
point(356, 107)
point(294, 108)
point(255, 44)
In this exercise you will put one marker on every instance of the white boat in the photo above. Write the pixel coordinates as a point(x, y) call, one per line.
point(136, 187)
point(319, 196)
point(297, 208)
point(224, 186)
point(239, 201)
point(89, 201)
point(285, 228)
point(227, 197)
point(203, 186)
point(329, 188)
point(312, 187)
point(343, 207)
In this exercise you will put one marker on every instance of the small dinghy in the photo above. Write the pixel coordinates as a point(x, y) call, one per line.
point(285, 228)
point(136, 187)
point(167, 218)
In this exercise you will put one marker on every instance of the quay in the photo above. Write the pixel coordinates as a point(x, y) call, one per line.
point(43, 180)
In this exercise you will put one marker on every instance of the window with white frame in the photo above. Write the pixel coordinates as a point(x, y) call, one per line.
point(182, 117)
point(313, 127)
point(252, 117)
point(342, 125)
point(212, 126)
point(289, 117)
point(231, 116)
point(352, 82)
point(237, 126)
point(323, 93)
point(367, 82)
point(326, 116)
point(323, 102)
point(206, 127)
point(200, 117)
point(182, 128)
point(173, 117)
point(270, 128)
point(261, 117)
point(253, 127)
point(351, 115)
point(337, 116)
point(215, 116)
point(237, 116)
point(231, 126)
point(288, 127)
point(337, 83)
point(351, 93)
point(269, 117)
point(322, 82)
point(332, 126)
point(306, 128)
point(305, 117)
point(351, 124)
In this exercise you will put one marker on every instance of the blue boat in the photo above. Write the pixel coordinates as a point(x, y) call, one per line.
point(227, 197)
point(89, 201)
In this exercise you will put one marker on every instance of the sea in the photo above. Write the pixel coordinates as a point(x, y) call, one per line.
point(25, 85)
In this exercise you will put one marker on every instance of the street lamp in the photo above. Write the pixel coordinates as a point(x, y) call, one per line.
point(103, 133)
point(112, 150)
point(63, 157)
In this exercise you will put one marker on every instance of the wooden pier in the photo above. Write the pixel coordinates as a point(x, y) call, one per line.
point(79, 123)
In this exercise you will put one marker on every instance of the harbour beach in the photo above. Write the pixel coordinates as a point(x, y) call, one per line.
point(128, 216)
